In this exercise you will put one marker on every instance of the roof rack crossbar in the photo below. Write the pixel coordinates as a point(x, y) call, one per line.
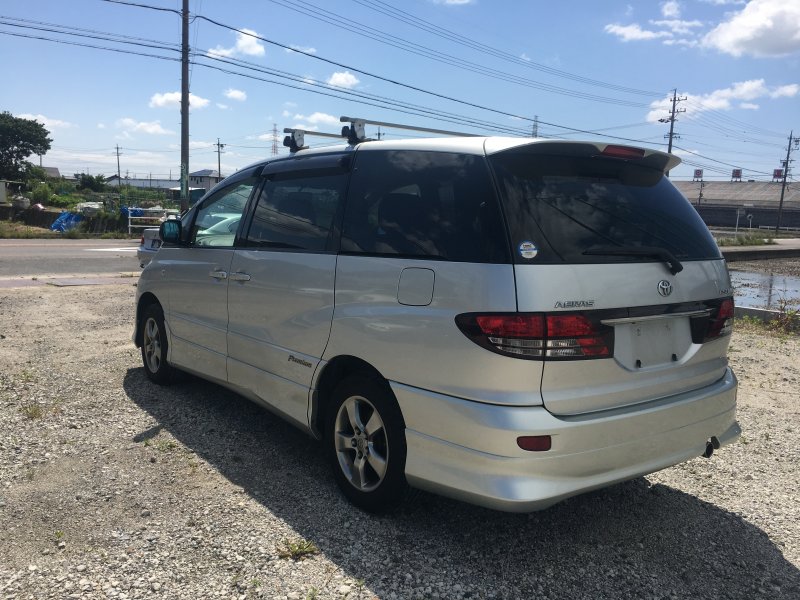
point(357, 127)
point(296, 139)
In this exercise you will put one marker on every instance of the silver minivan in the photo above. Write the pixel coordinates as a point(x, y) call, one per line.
point(504, 321)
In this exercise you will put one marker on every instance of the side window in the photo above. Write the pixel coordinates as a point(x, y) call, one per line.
point(418, 204)
point(218, 216)
point(296, 212)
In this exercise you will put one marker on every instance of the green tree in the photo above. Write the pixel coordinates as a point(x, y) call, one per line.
point(19, 138)
point(93, 184)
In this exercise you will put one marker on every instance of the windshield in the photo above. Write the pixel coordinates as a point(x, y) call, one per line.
point(569, 208)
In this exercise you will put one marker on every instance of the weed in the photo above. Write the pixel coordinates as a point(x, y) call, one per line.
point(312, 594)
point(297, 549)
point(59, 535)
point(166, 445)
point(27, 376)
point(32, 411)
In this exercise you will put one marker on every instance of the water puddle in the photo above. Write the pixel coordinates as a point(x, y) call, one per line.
point(761, 290)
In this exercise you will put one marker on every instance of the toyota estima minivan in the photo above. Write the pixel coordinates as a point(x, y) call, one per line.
point(504, 321)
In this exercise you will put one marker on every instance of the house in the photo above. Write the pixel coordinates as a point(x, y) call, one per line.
point(206, 179)
point(52, 172)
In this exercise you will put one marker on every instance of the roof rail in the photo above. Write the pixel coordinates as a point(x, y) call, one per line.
point(355, 133)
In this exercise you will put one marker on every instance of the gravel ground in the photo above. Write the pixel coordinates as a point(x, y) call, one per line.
point(111, 487)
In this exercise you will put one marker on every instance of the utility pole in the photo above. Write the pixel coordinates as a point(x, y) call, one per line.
point(119, 176)
point(795, 141)
point(185, 106)
point(671, 120)
point(219, 167)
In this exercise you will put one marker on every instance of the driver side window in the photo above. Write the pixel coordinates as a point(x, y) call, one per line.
point(218, 216)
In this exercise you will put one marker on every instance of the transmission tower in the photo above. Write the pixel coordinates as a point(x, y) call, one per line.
point(274, 139)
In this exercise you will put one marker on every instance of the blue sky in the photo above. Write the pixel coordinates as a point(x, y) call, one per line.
point(480, 66)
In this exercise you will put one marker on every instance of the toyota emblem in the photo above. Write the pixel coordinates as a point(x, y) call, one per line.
point(664, 288)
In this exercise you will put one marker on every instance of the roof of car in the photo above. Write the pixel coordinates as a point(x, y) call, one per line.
point(466, 145)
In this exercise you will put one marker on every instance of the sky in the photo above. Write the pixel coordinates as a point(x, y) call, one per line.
point(103, 75)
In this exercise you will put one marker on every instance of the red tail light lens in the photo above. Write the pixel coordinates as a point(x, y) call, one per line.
point(623, 152)
point(141, 241)
point(538, 336)
point(721, 321)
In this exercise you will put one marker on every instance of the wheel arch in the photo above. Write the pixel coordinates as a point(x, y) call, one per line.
point(334, 372)
point(146, 300)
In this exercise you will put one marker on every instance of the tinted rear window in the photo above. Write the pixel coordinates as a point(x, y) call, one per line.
point(566, 205)
point(431, 205)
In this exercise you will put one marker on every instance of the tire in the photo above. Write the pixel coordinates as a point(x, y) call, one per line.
point(366, 443)
point(154, 346)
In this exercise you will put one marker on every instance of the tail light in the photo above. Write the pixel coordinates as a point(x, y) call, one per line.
point(540, 336)
point(720, 321)
point(141, 241)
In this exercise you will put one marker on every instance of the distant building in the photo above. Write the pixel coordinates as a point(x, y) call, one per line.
point(52, 172)
point(206, 179)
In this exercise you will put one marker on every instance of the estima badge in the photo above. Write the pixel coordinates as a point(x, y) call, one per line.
point(664, 288)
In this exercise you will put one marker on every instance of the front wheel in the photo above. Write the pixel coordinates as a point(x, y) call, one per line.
point(365, 438)
point(154, 345)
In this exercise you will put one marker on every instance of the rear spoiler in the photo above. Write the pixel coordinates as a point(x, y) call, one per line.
point(654, 159)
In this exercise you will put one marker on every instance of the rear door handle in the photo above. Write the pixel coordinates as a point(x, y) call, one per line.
point(219, 274)
point(239, 276)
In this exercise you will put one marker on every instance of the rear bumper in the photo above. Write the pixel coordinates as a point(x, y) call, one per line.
point(467, 450)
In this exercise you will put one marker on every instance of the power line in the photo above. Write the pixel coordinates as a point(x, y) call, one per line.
point(419, 23)
point(363, 30)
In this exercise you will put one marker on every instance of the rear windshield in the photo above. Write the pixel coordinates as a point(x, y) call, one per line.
point(566, 209)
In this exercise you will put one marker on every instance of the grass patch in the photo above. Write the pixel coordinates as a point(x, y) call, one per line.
point(746, 240)
point(32, 412)
point(14, 230)
point(297, 549)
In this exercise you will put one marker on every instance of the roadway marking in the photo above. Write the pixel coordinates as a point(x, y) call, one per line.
point(126, 249)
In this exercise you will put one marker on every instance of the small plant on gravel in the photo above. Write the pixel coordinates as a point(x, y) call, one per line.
point(27, 376)
point(166, 445)
point(32, 411)
point(297, 549)
point(312, 594)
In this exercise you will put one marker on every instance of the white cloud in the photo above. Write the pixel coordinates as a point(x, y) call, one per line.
point(318, 118)
point(629, 33)
point(343, 79)
point(762, 28)
point(129, 126)
point(678, 26)
point(749, 106)
point(101, 125)
point(785, 91)
point(245, 44)
point(173, 100)
point(306, 49)
point(454, 2)
point(722, 99)
point(47, 121)
point(236, 94)
point(525, 57)
point(286, 113)
point(222, 106)
point(305, 126)
point(671, 9)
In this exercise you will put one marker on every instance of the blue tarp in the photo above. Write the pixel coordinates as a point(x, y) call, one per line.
point(66, 221)
point(134, 212)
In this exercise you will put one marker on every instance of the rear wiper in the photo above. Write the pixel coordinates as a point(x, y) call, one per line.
point(668, 257)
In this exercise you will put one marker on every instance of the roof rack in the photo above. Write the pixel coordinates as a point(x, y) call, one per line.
point(355, 133)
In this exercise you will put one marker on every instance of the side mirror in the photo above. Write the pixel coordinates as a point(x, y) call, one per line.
point(170, 232)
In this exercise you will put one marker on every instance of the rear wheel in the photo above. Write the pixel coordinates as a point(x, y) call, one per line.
point(365, 437)
point(154, 345)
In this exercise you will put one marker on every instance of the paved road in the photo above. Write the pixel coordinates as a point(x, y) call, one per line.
point(22, 258)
